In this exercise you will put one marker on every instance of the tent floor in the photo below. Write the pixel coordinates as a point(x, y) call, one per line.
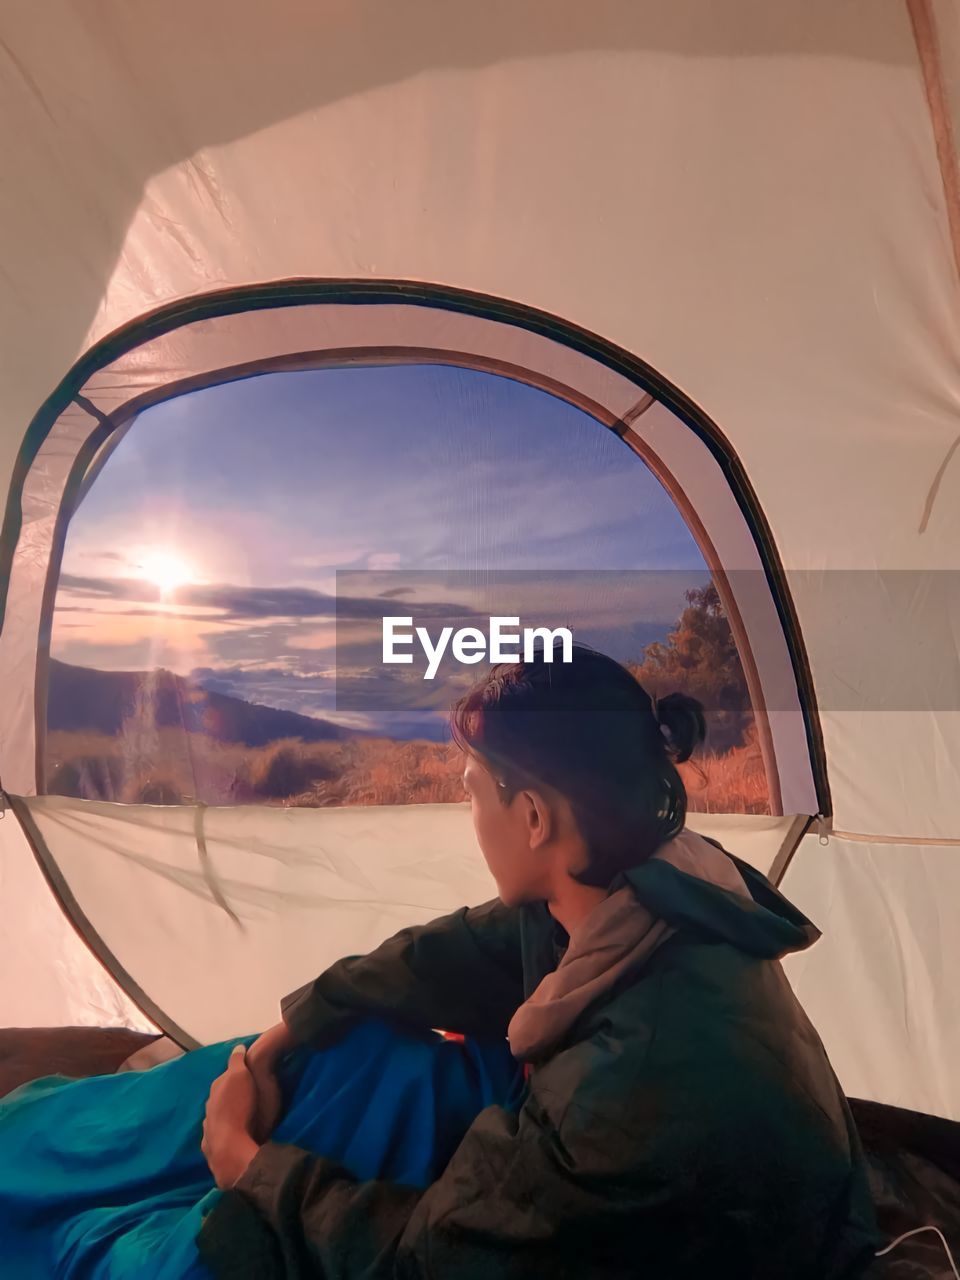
point(914, 1164)
point(27, 1053)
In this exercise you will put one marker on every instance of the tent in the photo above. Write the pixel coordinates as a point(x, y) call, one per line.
point(730, 233)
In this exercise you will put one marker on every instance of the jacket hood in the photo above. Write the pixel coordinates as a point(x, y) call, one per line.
point(763, 923)
point(690, 882)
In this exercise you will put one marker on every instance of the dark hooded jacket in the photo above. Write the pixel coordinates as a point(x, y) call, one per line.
point(689, 1125)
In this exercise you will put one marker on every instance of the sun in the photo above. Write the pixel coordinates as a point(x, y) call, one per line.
point(166, 570)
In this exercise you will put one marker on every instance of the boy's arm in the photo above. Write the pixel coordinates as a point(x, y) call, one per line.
point(461, 972)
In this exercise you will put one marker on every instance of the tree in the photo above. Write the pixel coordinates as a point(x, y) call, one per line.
point(700, 658)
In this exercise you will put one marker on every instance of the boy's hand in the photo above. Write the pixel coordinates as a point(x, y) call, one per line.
point(228, 1142)
point(262, 1058)
point(269, 1098)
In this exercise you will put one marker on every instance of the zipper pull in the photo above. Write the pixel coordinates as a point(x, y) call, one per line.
point(823, 829)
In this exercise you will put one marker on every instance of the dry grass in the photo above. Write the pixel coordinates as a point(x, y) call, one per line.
point(133, 770)
point(734, 782)
point(172, 768)
point(286, 769)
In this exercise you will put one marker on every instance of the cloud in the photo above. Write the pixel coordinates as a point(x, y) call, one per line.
point(113, 556)
point(280, 644)
point(335, 557)
point(384, 704)
point(236, 603)
point(384, 560)
point(322, 695)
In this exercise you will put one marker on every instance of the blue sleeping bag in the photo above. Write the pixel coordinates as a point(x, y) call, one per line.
point(104, 1178)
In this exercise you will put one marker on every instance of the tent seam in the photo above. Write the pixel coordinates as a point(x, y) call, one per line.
point(866, 837)
point(927, 42)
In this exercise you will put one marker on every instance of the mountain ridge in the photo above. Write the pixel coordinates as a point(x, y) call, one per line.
point(89, 699)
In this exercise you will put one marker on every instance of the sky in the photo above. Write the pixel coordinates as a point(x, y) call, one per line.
point(212, 539)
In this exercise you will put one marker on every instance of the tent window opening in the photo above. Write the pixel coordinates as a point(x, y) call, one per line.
point(214, 636)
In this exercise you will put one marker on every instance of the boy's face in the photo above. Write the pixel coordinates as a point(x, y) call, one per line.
point(510, 835)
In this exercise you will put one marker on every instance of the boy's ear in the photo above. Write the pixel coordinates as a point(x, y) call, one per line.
point(540, 819)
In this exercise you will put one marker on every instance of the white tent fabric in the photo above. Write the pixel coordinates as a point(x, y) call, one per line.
point(889, 949)
point(760, 201)
point(52, 977)
point(226, 909)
